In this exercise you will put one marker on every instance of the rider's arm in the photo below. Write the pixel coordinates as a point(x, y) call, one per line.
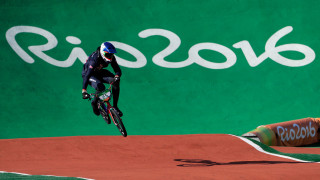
point(115, 66)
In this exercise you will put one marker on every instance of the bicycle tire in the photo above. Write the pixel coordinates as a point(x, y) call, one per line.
point(118, 122)
point(104, 115)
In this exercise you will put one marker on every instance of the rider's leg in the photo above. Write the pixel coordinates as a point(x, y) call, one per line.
point(99, 87)
point(116, 93)
point(107, 77)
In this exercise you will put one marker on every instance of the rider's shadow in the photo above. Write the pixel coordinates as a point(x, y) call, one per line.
point(201, 162)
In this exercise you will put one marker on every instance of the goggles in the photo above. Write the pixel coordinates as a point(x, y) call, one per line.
point(108, 55)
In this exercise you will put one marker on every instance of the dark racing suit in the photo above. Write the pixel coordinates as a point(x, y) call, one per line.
point(94, 75)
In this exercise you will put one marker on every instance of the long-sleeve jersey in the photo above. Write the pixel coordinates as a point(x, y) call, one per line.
point(94, 64)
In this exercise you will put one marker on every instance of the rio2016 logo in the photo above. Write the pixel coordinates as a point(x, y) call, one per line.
point(271, 50)
point(291, 134)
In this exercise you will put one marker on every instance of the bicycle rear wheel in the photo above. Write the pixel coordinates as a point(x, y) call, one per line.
point(104, 113)
point(118, 122)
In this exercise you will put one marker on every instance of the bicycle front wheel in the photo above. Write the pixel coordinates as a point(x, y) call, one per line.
point(118, 122)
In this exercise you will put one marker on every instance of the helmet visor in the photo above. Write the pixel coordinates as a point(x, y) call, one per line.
point(107, 55)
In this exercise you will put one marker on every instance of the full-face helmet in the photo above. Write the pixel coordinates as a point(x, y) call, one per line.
point(107, 51)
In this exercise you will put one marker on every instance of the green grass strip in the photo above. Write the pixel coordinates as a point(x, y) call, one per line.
point(303, 157)
point(11, 175)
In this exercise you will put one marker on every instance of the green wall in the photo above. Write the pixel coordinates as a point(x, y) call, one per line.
point(43, 99)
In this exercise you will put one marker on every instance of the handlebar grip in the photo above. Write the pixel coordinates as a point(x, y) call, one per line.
point(85, 95)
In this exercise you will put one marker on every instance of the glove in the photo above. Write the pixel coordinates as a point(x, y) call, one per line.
point(116, 78)
point(85, 95)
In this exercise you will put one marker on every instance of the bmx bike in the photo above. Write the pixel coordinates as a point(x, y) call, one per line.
point(107, 111)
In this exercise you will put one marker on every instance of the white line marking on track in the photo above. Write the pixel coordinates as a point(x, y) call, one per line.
point(263, 151)
point(44, 175)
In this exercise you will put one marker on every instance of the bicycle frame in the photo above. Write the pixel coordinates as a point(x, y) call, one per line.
point(107, 109)
point(105, 104)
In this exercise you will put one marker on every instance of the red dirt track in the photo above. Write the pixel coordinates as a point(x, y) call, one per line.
point(215, 156)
